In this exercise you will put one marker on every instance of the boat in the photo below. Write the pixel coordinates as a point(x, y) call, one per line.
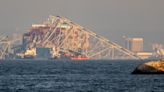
point(79, 58)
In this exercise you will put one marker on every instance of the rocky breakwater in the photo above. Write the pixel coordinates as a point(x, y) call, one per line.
point(152, 67)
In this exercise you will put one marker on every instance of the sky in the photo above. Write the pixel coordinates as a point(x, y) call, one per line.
point(112, 19)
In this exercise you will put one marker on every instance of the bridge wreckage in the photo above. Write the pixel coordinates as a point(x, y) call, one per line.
point(59, 38)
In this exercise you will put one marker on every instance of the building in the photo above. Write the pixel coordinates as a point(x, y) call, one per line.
point(135, 44)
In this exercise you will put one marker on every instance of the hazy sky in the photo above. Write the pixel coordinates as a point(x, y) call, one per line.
point(110, 18)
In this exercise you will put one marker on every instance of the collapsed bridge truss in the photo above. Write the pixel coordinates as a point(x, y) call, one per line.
point(7, 46)
point(66, 36)
point(4, 46)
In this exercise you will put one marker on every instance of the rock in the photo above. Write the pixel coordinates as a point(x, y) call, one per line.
point(152, 67)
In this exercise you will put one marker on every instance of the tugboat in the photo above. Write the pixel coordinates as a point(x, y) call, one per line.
point(80, 57)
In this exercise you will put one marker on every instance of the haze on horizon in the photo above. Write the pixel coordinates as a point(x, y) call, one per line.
point(110, 18)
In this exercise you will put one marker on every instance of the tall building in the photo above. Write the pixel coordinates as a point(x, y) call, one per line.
point(134, 44)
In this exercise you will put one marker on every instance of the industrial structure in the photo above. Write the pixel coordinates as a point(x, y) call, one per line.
point(159, 50)
point(134, 44)
point(60, 38)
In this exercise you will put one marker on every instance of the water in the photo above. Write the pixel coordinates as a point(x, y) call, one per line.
point(76, 76)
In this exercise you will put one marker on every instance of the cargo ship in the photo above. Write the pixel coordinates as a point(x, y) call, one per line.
point(48, 54)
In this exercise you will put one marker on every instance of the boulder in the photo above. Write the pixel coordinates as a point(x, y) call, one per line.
point(152, 67)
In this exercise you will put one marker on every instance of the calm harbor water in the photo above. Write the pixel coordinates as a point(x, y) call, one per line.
point(76, 76)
